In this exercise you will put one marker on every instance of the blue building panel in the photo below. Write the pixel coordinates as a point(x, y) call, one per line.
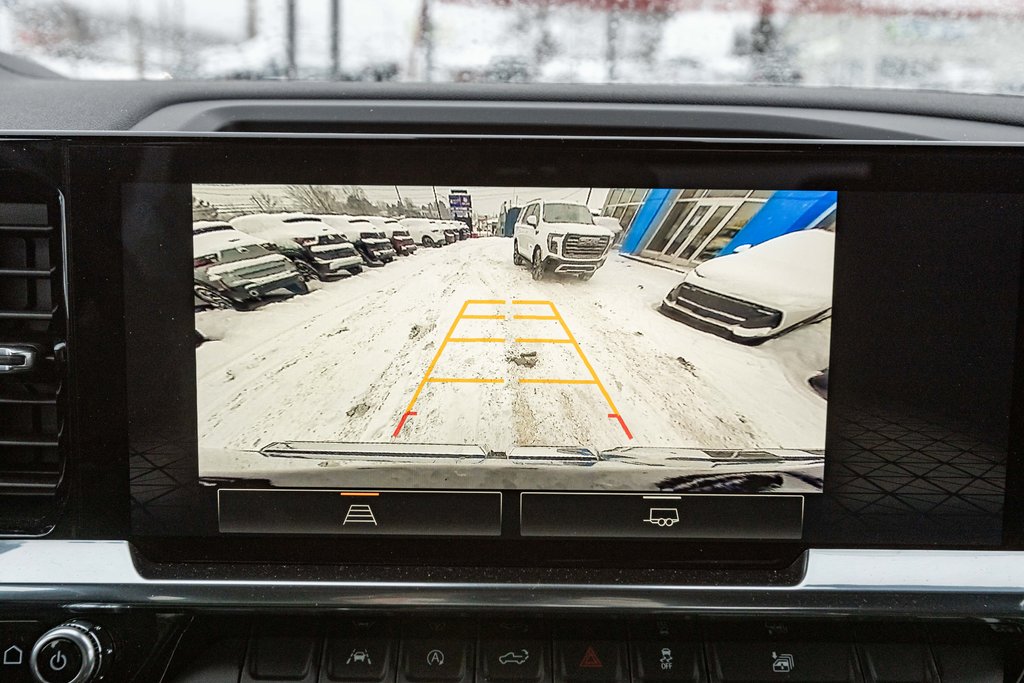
point(785, 211)
point(644, 220)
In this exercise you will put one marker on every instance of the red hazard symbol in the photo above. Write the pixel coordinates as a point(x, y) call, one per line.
point(591, 660)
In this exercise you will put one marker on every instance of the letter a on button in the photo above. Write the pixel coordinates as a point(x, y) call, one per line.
point(591, 660)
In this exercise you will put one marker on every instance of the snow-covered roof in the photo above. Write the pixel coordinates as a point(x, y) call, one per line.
point(275, 225)
point(219, 240)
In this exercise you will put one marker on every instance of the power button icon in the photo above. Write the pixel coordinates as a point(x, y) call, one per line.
point(58, 661)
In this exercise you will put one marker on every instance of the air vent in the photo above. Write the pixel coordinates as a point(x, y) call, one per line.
point(33, 330)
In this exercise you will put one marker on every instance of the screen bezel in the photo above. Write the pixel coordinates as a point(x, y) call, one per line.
point(103, 168)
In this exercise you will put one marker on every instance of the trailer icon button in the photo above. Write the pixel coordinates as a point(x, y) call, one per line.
point(663, 516)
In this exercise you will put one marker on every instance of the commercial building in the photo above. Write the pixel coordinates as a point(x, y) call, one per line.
point(681, 228)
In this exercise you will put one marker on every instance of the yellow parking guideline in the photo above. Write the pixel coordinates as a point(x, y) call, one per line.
point(526, 380)
point(465, 380)
point(460, 340)
point(583, 357)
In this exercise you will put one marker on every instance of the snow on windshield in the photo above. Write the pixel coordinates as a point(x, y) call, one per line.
point(567, 213)
point(954, 45)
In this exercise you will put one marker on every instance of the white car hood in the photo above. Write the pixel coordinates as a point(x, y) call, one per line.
point(217, 241)
point(787, 272)
point(578, 229)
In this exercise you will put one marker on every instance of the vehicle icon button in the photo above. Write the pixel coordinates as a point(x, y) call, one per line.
point(665, 517)
point(667, 662)
point(783, 663)
point(514, 660)
point(517, 657)
point(367, 660)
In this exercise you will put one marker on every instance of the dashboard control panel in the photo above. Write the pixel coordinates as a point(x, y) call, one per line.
point(588, 650)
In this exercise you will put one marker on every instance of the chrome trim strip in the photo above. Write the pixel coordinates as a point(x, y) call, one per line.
point(984, 584)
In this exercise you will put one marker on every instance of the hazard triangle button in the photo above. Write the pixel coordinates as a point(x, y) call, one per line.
point(590, 661)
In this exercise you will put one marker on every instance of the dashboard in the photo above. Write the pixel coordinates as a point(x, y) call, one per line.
point(509, 385)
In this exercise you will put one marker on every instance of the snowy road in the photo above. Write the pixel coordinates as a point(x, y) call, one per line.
point(346, 362)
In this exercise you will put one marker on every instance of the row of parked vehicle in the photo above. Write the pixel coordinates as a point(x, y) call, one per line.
point(241, 261)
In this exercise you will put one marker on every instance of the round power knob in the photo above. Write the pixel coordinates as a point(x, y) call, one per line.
point(74, 652)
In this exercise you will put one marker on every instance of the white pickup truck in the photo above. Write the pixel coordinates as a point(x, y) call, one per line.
point(560, 237)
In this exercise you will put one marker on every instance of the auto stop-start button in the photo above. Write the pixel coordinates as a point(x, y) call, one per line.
point(59, 661)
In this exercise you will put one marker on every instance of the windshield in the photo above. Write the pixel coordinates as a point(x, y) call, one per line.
point(951, 45)
point(567, 213)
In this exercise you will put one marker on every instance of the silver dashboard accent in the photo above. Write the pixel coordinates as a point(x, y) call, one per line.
point(18, 358)
point(950, 583)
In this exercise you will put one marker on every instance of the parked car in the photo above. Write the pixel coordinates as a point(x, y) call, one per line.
point(610, 222)
point(424, 231)
point(460, 229)
point(451, 235)
point(759, 292)
point(560, 237)
point(370, 241)
point(317, 250)
point(232, 269)
point(401, 241)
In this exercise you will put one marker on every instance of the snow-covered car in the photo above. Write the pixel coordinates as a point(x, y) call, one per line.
point(318, 251)
point(610, 222)
point(759, 292)
point(424, 231)
point(401, 241)
point(231, 269)
point(560, 237)
point(369, 240)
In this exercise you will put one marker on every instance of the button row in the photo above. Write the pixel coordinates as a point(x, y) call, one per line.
point(479, 513)
point(651, 656)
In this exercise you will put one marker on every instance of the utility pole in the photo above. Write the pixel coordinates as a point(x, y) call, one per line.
point(251, 19)
point(335, 39)
point(611, 37)
point(291, 67)
point(138, 33)
point(437, 202)
point(427, 35)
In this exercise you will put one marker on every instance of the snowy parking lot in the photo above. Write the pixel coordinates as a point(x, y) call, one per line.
point(459, 346)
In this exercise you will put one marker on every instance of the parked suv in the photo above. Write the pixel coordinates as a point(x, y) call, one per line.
point(401, 241)
point(759, 292)
point(318, 251)
point(231, 269)
point(369, 240)
point(424, 231)
point(560, 237)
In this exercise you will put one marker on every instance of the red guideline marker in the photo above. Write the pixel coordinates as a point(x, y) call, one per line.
point(401, 423)
point(612, 415)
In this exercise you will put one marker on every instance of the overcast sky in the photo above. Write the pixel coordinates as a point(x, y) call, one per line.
point(486, 200)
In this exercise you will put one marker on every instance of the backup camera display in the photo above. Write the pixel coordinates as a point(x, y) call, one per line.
point(499, 338)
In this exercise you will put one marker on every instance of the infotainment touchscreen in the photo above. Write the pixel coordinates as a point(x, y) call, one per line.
point(370, 337)
point(563, 350)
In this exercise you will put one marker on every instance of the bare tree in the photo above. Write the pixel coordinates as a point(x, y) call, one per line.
point(266, 203)
point(316, 199)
